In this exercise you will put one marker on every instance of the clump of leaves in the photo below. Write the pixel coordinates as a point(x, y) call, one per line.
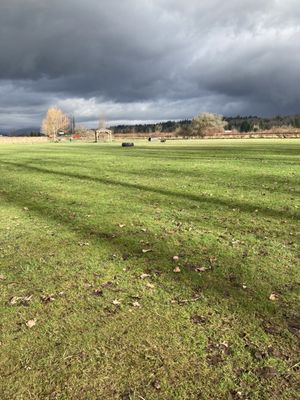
point(274, 296)
point(23, 300)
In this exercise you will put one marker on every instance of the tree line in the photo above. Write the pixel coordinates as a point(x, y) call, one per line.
point(237, 123)
point(56, 123)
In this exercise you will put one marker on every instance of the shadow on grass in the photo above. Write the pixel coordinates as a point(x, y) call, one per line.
point(215, 283)
point(260, 182)
point(230, 203)
point(232, 151)
point(260, 178)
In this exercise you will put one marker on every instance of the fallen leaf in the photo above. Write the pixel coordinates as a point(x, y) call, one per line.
point(14, 300)
point(274, 297)
point(177, 270)
point(201, 269)
point(47, 298)
point(116, 303)
point(122, 225)
point(198, 319)
point(20, 300)
point(185, 301)
point(212, 260)
point(144, 230)
point(26, 299)
point(25, 208)
point(98, 292)
point(156, 385)
point(150, 286)
point(31, 323)
point(144, 276)
point(237, 394)
point(87, 285)
point(224, 346)
point(136, 304)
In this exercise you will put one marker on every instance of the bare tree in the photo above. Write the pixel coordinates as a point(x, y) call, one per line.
point(208, 123)
point(54, 122)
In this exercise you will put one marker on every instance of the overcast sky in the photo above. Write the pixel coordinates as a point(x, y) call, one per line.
point(142, 60)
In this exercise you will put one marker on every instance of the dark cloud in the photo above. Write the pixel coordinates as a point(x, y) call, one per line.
point(147, 60)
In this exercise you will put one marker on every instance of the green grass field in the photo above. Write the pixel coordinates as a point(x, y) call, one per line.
point(91, 307)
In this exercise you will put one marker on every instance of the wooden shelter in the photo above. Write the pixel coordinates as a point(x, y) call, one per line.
point(103, 134)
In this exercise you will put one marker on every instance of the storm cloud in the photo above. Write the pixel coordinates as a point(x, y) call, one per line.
point(147, 60)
